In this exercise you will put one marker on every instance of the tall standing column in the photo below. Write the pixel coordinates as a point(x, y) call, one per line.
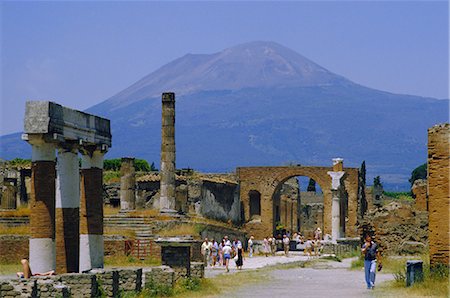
point(91, 211)
point(67, 211)
point(167, 197)
point(42, 205)
point(439, 194)
point(336, 176)
point(127, 184)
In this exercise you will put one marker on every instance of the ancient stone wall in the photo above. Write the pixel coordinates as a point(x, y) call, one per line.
point(13, 248)
point(419, 190)
point(439, 193)
point(96, 283)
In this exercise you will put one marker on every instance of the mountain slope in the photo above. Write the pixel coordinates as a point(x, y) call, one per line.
point(269, 107)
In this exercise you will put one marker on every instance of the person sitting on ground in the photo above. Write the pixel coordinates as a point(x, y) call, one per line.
point(27, 270)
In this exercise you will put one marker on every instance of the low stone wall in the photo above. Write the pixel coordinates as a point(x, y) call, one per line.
point(97, 283)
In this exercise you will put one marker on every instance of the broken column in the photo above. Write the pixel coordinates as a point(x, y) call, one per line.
point(439, 194)
point(336, 175)
point(49, 126)
point(167, 197)
point(67, 210)
point(91, 210)
point(42, 204)
point(127, 184)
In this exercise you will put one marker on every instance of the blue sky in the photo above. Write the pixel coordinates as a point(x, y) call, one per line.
point(81, 53)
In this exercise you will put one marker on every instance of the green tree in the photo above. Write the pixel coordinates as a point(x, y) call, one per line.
point(311, 185)
point(418, 173)
point(377, 181)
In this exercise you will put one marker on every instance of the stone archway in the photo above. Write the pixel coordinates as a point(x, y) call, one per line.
point(265, 180)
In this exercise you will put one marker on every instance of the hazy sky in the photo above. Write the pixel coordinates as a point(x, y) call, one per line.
point(81, 53)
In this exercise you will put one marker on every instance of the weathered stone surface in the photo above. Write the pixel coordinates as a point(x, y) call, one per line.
point(130, 279)
point(439, 193)
point(412, 248)
point(127, 184)
point(52, 119)
point(419, 190)
point(163, 275)
point(395, 223)
point(197, 270)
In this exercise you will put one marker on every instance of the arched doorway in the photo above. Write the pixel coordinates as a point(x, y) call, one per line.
point(266, 180)
point(298, 206)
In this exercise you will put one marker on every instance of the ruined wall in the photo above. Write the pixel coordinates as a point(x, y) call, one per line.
point(311, 215)
point(286, 200)
point(439, 193)
point(220, 201)
point(419, 190)
point(398, 228)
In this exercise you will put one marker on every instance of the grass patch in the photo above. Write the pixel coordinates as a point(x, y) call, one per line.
point(110, 210)
point(16, 230)
point(120, 260)
point(403, 196)
point(111, 176)
point(10, 269)
point(131, 234)
point(22, 211)
point(435, 284)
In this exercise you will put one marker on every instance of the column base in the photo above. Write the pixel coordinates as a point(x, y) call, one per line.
point(91, 252)
point(42, 255)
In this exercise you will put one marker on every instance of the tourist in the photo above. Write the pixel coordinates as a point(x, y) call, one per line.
point(227, 242)
point(221, 245)
point(273, 245)
point(286, 241)
point(371, 255)
point(317, 247)
point(214, 251)
point(240, 260)
point(266, 247)
point(250, 247)
point(227, 255)
point(318, 234)
point(236, 242)
point(206, 251)
point(308, 247)
point(27, 270)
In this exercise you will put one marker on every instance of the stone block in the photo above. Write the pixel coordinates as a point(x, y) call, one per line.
point(163, 275)
point(81, 284)
point(197, 269)
point(108, 281)
point(130, 279)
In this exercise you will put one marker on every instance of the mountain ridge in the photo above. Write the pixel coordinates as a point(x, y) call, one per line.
point(247, 121)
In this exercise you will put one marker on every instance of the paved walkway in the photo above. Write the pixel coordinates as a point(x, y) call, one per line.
point(255, 263)
point(323, 279)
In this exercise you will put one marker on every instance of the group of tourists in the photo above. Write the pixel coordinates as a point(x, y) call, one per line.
point(219, 254)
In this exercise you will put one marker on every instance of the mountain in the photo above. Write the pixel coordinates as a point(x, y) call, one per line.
point(260, 103)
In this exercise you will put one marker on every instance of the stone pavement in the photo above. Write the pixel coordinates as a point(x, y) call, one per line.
point(257, 262)
point(322, 279)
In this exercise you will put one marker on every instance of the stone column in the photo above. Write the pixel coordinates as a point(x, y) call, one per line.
point(91, 211)
point(127, 184)
point(42, 206)
point(336, 176)
point(67, 210)
point(439, 194)
point(167, 197)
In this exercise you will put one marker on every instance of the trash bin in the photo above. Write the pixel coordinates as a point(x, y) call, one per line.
point(414, 272)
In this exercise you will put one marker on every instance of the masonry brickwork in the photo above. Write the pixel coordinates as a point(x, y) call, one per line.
point(419, 190)
point(266, 180)
point(439, 193)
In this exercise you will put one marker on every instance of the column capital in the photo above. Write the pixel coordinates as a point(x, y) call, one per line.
point(92, 159)
point(335, 179)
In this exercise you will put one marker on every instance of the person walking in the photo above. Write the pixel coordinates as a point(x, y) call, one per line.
point(214, 251)
point(206, 251)
point(240, 259)
point(221, 245)
point(250, 247)
point(371, 256)
point(266, 247)
point(227, 255)
point(273, 245)
point(286, 241)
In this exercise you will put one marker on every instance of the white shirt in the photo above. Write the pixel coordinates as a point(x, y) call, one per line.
point(226, 249)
